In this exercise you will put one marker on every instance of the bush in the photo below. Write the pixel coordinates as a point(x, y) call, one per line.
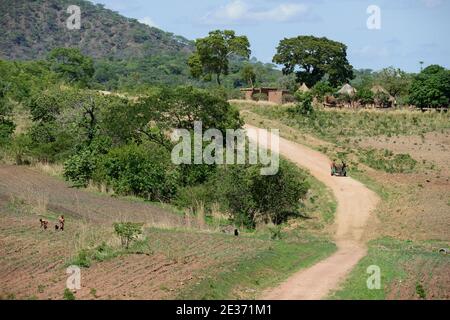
point(140, 170)
point(68, 295)
point(322, 89)
point(304, 103)
point(365, 96)
point(249, 196)
point(80, 167)
point(128, 232)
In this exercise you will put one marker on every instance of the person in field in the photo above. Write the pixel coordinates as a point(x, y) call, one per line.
point(61, 221)
point(44, 224)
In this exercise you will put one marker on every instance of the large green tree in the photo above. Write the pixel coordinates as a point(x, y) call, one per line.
point(431, 88)
point(213, 53)
point(312, 58)
point(395, 81)
point(72, 65)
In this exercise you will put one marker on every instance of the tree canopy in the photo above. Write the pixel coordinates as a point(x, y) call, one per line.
point(72, 65)
point(312, 58)
point(431, 88)
point(213, 52)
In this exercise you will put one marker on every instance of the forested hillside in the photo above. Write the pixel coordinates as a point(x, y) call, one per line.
point(126, 53)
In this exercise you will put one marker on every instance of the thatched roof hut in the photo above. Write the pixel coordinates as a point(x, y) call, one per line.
point(347, 89)
point(379, 89)
point(304, 88)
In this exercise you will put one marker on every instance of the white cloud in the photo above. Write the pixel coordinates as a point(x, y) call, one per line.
point(370, 51)
point(148, 21)
point(432, 3)
point(240, 12)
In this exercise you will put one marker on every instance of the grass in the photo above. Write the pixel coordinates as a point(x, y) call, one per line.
point(248, 277)
point(396, 259)
point(335, 124)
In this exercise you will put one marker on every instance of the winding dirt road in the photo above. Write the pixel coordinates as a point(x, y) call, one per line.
point(355, 203)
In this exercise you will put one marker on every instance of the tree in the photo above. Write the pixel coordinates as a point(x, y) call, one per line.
point(249, 195)
point(248, 74)
point(72, 65)
point(395, 81)
point(322, 89)
point(213, 52)
point(128, 231)
point(312, 58)
point(7, 126)
point(431, 88)
point(180, 108)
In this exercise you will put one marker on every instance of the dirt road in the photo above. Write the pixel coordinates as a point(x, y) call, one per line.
point(355, 203)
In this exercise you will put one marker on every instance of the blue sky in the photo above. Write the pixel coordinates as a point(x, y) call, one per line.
point(410, 30)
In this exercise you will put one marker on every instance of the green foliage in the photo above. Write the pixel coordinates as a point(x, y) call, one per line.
point(395, 81)
point(80, 167)
point(140, 170)
point(275, 233)
point(128, 232)
point(288, 82)
point(316, 57)
point(248, 74)
point(62, 120)
point(68, 294)
point(72, 65)
point(336, 125)
point(431, 88)
point(213, 53)
point(304, 103)
point(185, 105)
point(250, 196)
point(7, 126)
point(365, 96)
point(322, 89)
point(420, 291)
point(382, 99)
point(387, 161)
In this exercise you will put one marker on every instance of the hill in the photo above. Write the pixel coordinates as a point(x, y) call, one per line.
point(127, 53)
point(30, 29)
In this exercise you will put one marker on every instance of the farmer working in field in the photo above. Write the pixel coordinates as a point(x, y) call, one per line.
point(44, 223)
point(61, 222)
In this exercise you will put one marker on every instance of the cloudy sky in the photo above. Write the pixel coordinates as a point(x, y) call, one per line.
point(410, 30)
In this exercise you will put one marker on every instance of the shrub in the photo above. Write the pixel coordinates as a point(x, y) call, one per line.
point(322, 89)
point(128, 232)
point(365, 96)
point(304, 103)
point(80, 167)
point(68, 295)
point(140, 170)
